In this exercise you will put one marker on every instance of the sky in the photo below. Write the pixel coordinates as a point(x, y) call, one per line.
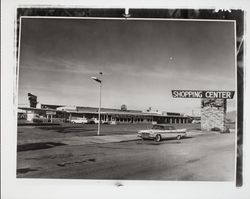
point(141, 61)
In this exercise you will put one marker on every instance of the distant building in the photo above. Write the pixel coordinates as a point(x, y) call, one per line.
point(62, 113)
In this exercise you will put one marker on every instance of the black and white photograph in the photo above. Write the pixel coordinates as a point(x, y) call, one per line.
point(130, 99)
point(108, 99)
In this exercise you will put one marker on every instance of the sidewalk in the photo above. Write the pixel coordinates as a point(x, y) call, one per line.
point(86, 140)
point(99, 139)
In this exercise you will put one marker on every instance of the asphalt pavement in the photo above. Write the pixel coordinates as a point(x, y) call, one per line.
point(202, 156)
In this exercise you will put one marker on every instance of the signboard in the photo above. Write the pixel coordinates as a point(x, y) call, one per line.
point(50, 113)
point(202, 94)
point(33, 100)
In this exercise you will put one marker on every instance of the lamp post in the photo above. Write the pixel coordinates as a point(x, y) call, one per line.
point(100, 98)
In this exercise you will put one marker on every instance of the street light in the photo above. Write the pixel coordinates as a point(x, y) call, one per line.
point(100, 95)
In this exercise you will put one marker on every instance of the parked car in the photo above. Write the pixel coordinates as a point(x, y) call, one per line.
point(79, 121)
point(196, 122)
point(227, 130)
point(162, 131)
point(108, 122)
point(93, 121)
point(112, 122)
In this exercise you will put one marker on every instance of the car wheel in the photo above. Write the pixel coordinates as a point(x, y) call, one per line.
point(158, 138)
point(178, 137)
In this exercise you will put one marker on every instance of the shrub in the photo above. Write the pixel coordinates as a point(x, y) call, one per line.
point(215, 129)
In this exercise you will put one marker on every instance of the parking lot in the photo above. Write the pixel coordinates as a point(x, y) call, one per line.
point(75, 152)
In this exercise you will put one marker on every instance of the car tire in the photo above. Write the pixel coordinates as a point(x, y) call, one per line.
point(178, 137)
point(158, 138)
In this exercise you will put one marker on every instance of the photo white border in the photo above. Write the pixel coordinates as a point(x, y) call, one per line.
point(41, 188)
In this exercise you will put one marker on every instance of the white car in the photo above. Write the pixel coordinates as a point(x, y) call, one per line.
point(162, 131)
point(196, 122)
point(79, 121)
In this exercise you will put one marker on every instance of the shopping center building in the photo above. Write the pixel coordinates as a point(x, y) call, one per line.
point(61, 113)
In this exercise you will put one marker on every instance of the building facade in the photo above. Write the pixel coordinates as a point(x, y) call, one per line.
point(60, 114)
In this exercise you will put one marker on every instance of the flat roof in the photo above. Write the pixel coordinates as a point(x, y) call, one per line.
point(108, 112)
point(163, 124)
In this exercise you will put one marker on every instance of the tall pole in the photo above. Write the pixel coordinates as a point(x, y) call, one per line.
point(99, 112)
point(100, 99)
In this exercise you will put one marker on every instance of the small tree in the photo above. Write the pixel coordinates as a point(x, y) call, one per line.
point(123, 107)
point(149, 109)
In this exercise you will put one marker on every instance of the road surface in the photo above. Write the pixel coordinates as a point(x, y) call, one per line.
point(208, 157)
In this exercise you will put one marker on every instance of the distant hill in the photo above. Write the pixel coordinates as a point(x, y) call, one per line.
point(231, 115)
